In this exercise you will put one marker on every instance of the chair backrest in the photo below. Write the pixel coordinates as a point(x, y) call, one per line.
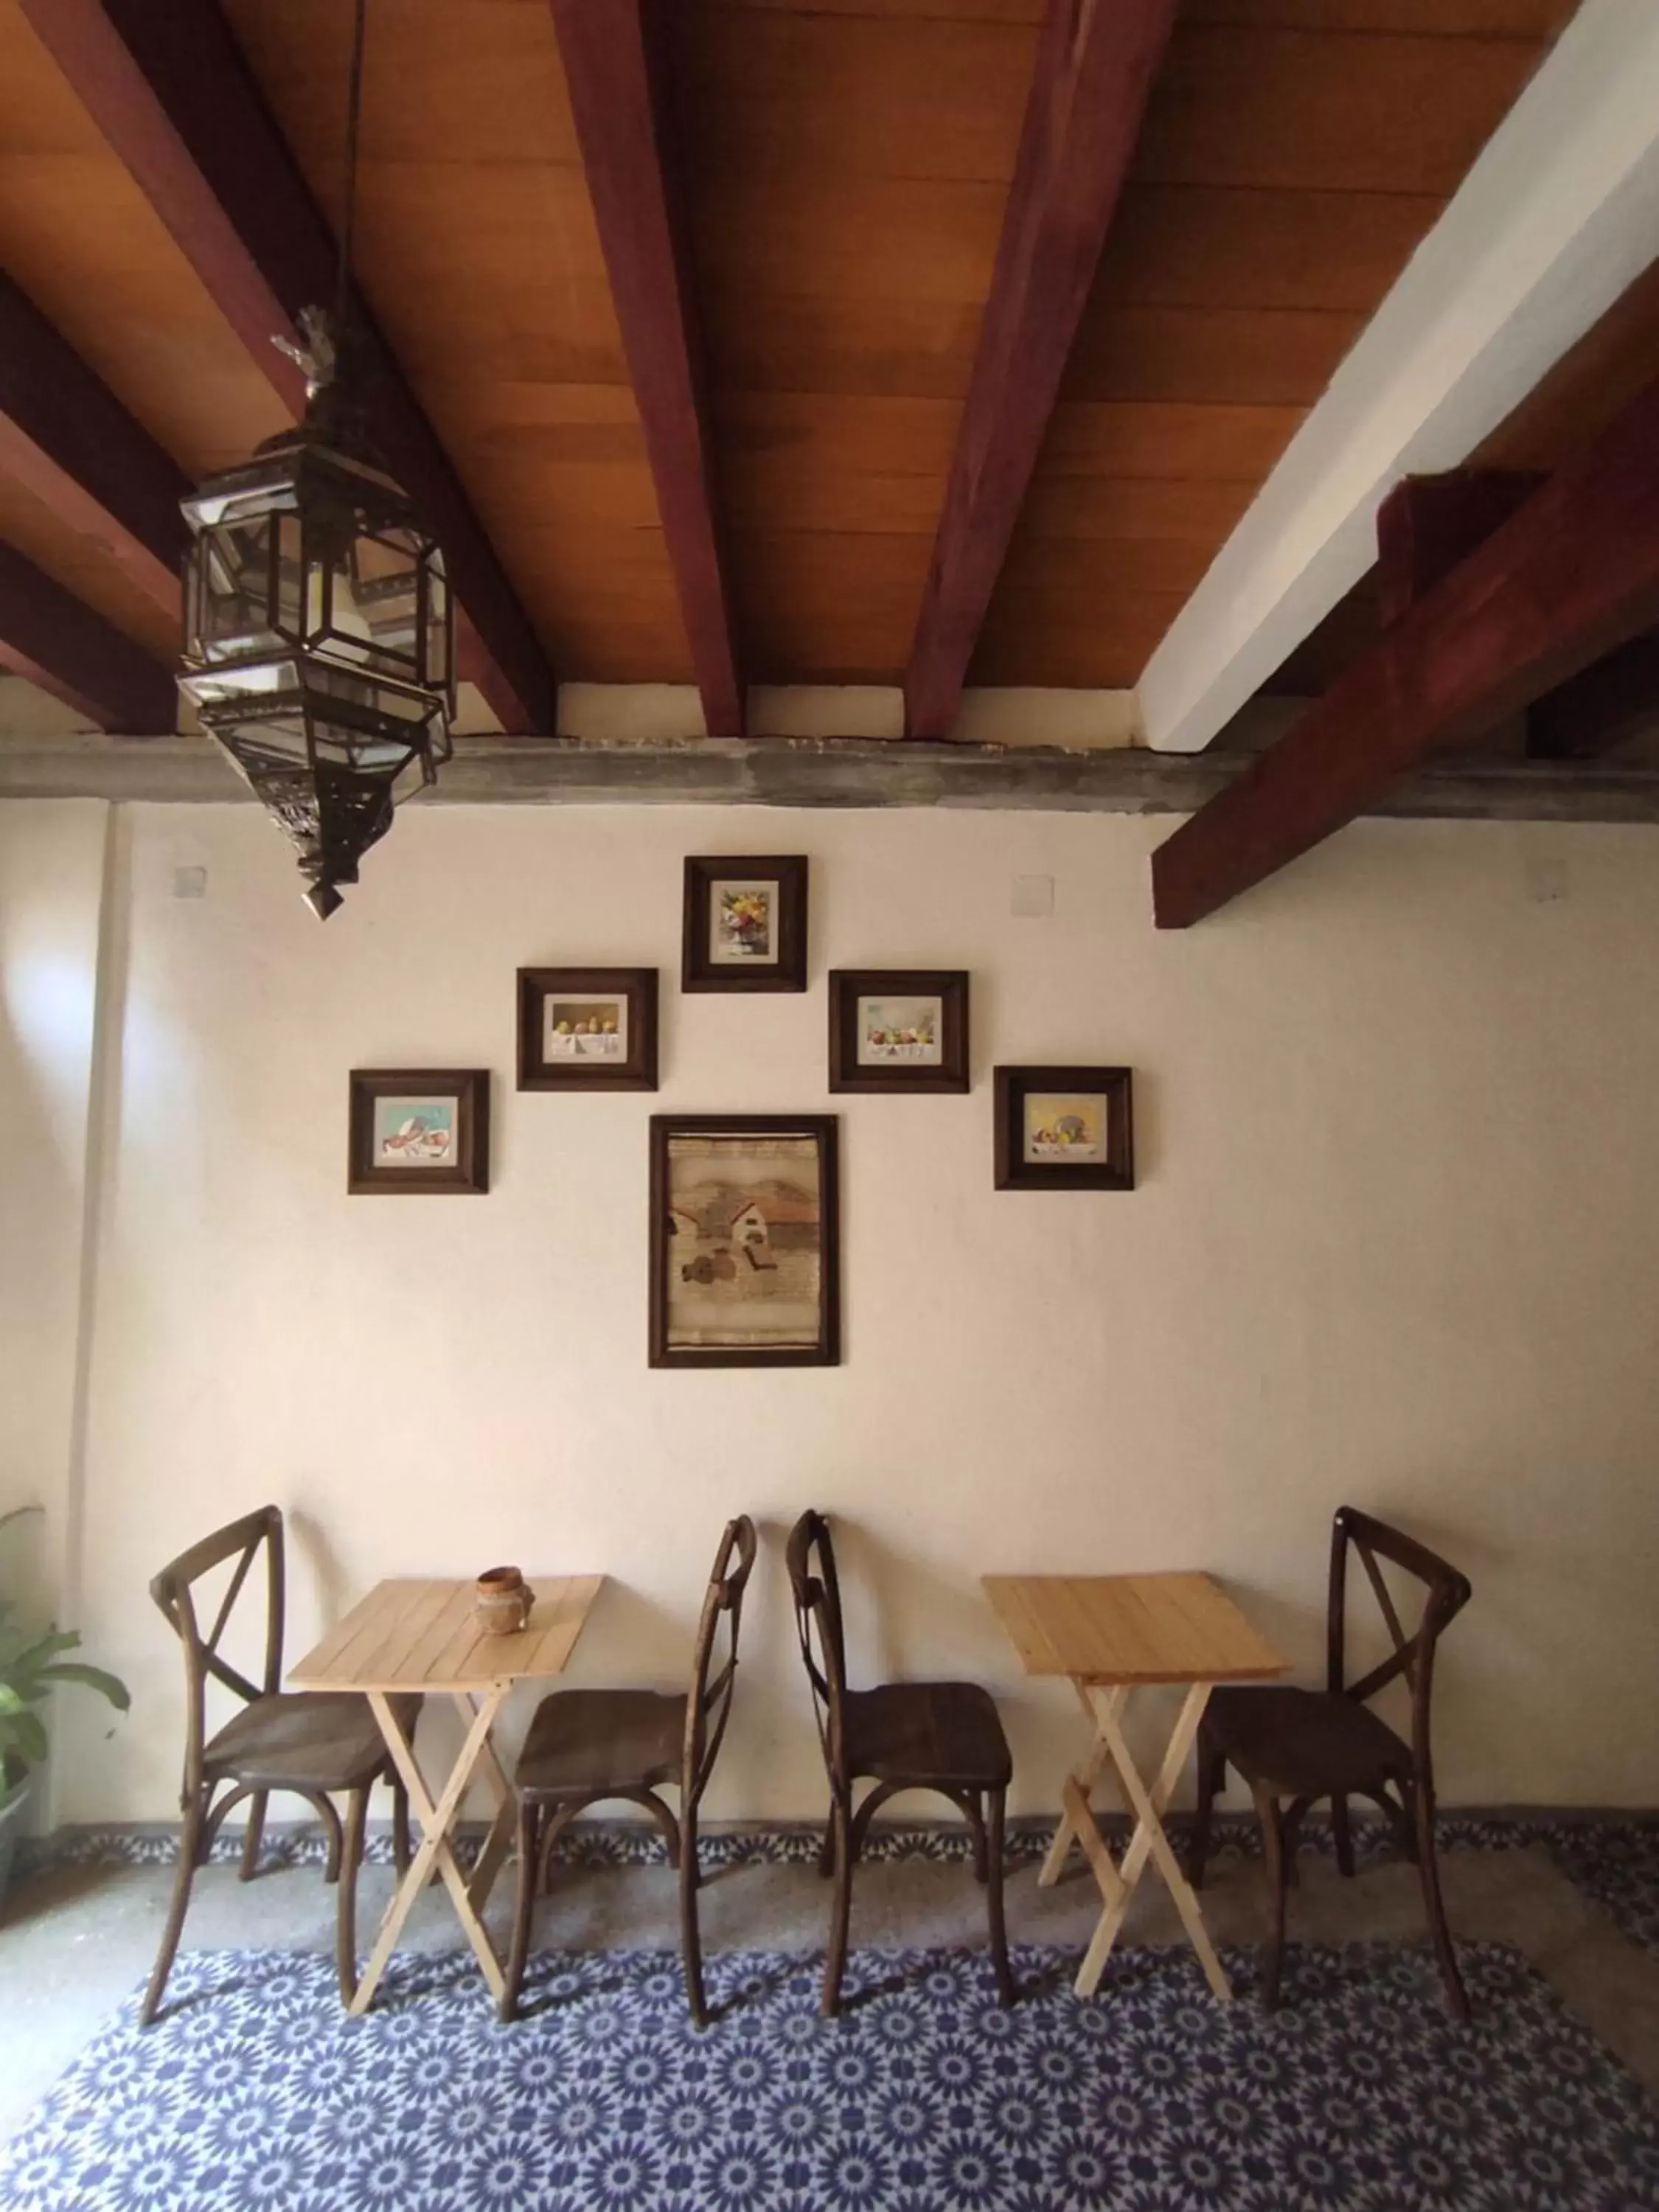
point(173, 1590)
point(709, 1704)
point(1446, 1592)
point(817, 1594)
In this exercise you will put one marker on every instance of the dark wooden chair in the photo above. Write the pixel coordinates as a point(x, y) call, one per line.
point(942, 1736)
point(315, 1744)
point(1294, 1748)
point(587, 1747)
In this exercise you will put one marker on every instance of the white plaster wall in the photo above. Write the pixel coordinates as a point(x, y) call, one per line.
point(1395, 1242)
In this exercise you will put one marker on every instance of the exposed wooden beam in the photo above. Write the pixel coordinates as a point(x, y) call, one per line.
point(863, 772)
point(1095, 64)
point(1427, 525)
point(49, 636)
point(66, 436)
point(168, 88)
point(1556, 218)
point(1602, 707)
point(1572, 574)
point(615, 64)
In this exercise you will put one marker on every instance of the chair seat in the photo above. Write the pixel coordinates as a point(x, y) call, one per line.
point(1306, 1743)
point(306, 1738)
point(927, 1733)
point(583, 1742)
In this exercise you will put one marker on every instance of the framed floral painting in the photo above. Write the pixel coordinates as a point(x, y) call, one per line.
point(746, 1249)
point(587, 1029)
point(418, 1130)
point(898, 1029)
point(1064, 1128)
point(744, 925)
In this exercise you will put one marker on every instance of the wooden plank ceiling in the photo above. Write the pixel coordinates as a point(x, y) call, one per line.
point(845, 167)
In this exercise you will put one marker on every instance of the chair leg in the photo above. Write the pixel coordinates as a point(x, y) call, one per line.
point(996, 1802)
point(1212, 1773)
point(1428, 1867)
point(691, 1935)
point(524, 1907)
point(190, 1845)
point(331, 1822)
point(1342, 1835)
point(346, 1908)
point(1272, 1851)
point(841, 1910)
point(399, 1826)
point(253, 1835)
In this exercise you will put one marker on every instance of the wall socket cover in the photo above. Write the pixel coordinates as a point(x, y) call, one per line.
point(190, 882)
point(1034, 896)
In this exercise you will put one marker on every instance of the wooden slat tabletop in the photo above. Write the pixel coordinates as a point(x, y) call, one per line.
point(409, 1634)
point(1130, 1628)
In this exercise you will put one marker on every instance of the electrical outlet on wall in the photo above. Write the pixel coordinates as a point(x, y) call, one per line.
point(1034, 897)
point(190, 882)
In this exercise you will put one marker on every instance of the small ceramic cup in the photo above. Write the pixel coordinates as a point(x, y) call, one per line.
point(502, 1605)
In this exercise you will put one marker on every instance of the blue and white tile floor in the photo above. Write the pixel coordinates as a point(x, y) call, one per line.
point(1360, 2096)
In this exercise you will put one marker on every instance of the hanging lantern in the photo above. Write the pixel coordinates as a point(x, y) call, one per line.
point(319, 638)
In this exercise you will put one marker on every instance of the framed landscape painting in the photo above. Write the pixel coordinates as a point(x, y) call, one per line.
point(744, 925)
point(898, 1029)
point(587, 1029)
point(1065, 1128)
point(745, 1242)
point(421, 1130)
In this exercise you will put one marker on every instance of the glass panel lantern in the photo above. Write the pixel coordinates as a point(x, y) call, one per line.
point(319, 648)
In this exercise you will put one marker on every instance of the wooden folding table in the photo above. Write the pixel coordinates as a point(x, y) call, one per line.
point(422, 1635)
point(1111, 1635)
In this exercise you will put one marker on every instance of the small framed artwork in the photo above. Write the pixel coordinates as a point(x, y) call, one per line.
point(587, 1029)
point(1064, 1128)
point(423, 1129)
point(745, 1240)
point(898, 1029)
point(745, 924)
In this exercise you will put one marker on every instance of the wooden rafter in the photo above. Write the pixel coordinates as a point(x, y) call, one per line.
point(1095, 64)
point(66, 436)
point(169, 89)
point(613, 64)
point(49, 636)
point(1571, 575)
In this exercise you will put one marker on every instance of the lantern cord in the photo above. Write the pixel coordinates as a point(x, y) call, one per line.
point(349, 218)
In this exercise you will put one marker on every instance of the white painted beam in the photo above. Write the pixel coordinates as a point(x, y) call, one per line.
point(1559, 215)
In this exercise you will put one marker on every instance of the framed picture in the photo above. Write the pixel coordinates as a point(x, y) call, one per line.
point(1064, 1128)
point(745, 1240)
point(421, 1129)
point(898, 1029)
point(745, 924)
point(587, 1029)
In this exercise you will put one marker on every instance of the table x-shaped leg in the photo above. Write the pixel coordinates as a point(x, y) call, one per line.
point(437, 1819)
point(1117, 1879)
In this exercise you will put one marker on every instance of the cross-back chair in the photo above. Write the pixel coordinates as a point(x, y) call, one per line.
point(1294, 1748)
point(315, 1744)
point(942, 1736)
point(587, 1747)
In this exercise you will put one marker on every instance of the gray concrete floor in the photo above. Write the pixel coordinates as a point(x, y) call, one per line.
point(74, 1943)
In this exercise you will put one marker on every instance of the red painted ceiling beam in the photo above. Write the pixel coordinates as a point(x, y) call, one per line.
point(167, 86)
point(49, 636)
point(614, 65)
point(66, 436)
point(1094, 65)
point(1571, 575)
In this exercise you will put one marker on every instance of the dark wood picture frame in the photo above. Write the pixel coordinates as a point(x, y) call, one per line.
point(1015, 1172)
point(824, 1129)
point(636, 1069)
point(699, 970)
point(948, 985)
point(468, 1086)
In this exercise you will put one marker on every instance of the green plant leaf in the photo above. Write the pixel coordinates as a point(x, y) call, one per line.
point(91, 1678)
point(38, 1649)
point(22, 1737)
